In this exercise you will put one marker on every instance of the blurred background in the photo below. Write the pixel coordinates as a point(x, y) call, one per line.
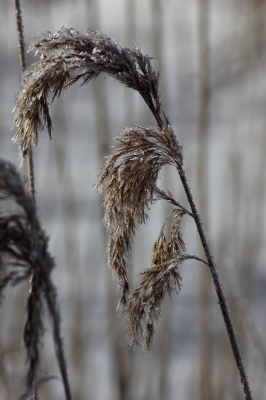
point(212, 58)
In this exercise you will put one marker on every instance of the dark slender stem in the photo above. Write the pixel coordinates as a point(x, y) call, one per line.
point(218, 287)
point(171, 200)
point(30, 168)
point(50, 297)
point(20, 35)
point(191, 257)
point(22, 61)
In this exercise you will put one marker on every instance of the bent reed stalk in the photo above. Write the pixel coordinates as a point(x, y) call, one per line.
point(129, 176)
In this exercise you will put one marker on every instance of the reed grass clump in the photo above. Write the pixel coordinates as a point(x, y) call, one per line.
point(25, 256)
point(128, 179)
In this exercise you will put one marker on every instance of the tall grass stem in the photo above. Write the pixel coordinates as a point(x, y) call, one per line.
point(218, 287)
point(22, 61)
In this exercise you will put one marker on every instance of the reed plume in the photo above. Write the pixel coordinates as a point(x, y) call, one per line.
point(163, 277)
point(128, 179)
point(66, 57)
point(129, 176)
point(24, 254)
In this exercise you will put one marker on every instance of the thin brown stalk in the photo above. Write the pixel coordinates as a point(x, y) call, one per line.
point(218, 287)
point(22, 61)
point(21, 46)
point(30, 165)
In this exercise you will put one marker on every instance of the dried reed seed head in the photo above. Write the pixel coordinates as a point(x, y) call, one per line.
point(176, 242)
point(165, 250)
point(145, 301)
point(66, 57)
point(128, 179)
point(129, 176)
point(118, 247)
point(23, 254)
point(33, 331)
point(21, 235)
point(12, 187)
point(159, 249)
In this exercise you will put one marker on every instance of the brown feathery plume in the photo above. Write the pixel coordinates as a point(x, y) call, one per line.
point(66, 57)
point(128, 179)
point(161, 279)
point(24, 250)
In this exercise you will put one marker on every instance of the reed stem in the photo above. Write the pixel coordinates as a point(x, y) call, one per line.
point(30, 165)
point(218, 287)
point(22, 61)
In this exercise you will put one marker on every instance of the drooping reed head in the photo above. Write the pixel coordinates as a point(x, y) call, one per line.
point(66, 57)
point(129, 176)
point(161, 279)
point(128, 180)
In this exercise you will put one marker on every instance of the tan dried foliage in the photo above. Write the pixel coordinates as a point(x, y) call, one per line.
point(66, 57)
point(24, 249)
point(129, 176)
point(128, 179)
point(145, 302)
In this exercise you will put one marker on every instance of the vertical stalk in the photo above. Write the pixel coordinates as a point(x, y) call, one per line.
point(218, 287)
point(130, 36)
point(30, 171)
point(30, 166)
point(21, 47)
point(22, 61)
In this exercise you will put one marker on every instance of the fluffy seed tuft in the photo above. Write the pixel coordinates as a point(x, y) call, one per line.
point(145, 301)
